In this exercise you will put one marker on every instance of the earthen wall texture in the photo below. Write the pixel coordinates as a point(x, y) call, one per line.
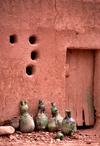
point(56, 25)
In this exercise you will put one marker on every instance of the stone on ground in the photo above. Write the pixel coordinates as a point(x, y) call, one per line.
point(5, 130)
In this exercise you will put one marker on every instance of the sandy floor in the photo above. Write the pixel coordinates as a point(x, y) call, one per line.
point(81, 137)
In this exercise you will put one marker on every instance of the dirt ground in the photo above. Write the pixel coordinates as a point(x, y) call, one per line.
point(81, 137)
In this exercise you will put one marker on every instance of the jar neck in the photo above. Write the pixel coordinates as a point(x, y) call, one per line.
point(55, 114)
point(68, 113)
point(25, 113)
point(42, 111)
point(53, 104)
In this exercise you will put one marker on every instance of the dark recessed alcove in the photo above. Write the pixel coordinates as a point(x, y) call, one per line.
point(32, 40)
point(13, 39)
point(30, 69)
point(34, 55)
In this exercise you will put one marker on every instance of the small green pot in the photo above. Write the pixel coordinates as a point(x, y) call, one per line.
point(59, 136)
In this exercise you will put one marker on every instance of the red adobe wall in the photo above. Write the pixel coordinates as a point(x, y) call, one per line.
point(56, 25)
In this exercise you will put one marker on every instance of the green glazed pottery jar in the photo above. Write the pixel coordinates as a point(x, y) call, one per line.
point(55, 113)
point(52, 125)
point(26, 122)
point(41, 120)
point(68, 124)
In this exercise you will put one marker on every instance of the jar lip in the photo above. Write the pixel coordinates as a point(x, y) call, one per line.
point(52, 103)
point(68, 110)
point(23, 101)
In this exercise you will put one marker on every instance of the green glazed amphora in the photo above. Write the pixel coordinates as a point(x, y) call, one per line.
point(52, 125)
point(41, 120)
point(26, 122)
point(55, 113)
point(68, 124)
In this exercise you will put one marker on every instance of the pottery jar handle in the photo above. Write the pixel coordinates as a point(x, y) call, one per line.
point(15, 117)
point(20, 105)
point(56, 124)
point(20, 117)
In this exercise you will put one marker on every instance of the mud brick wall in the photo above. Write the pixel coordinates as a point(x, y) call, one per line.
point(34, 38)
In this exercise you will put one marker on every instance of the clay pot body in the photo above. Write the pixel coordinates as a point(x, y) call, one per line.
point(41, 120)
point(15, 122)
point(26, 121)
point(59, 121)
point(55, 113)
point(68, 124)
point(52, 125)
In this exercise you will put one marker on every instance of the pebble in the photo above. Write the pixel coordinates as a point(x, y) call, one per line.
point(88, 142)
point(16, 135)
point(6, 130)
point(47, 133)
point(58, 139)
point(29, 134)
point(12, 137)
point(18, 132)
point(51, 141)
